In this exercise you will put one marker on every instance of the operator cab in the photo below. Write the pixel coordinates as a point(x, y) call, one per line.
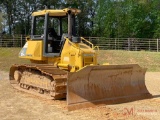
point(50, 26)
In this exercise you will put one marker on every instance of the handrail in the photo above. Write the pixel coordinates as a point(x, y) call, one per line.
point(71, 43)
point(93, 47)
point(87, 42)
point(96, 47)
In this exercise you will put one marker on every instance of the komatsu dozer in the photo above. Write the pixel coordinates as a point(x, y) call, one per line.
point(64, 65)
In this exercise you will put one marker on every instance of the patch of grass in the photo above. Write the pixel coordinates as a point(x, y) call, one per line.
point(150, 60)
point(9, 56)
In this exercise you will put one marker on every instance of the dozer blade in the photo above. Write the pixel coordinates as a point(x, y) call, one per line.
point(106, 84)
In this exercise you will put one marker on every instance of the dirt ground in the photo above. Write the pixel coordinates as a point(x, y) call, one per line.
point(15, 105)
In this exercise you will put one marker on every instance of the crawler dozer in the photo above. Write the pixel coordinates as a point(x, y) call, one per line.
point(64, 65)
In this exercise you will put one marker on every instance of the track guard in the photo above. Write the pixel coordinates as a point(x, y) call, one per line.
point(107, 84)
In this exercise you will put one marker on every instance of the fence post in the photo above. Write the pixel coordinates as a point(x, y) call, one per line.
point(1, 42)
point(13, 41)
point(21, 40)
point(115, 43)
point(128, 44)
point(157, 45)
point(149, 45)
point(118, 43)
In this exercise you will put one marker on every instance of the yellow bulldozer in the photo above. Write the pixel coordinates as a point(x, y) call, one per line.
point(64, 65)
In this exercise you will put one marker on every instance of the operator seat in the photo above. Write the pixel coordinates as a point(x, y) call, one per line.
point(52, 33)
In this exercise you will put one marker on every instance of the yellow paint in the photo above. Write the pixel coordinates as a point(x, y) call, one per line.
point(34, 50)
point(75, 54)
point(73, 57)
point(62, 12)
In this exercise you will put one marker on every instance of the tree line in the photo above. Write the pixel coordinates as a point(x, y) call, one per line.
point(101, 18)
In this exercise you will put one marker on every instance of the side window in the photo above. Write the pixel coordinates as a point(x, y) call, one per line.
point(39, 25)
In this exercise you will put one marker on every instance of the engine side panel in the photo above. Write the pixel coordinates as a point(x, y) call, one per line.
point(32, 50)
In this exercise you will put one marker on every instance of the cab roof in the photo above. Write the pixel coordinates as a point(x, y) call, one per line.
point(53, 12)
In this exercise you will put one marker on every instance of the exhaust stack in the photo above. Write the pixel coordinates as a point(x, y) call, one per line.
point(70, 22)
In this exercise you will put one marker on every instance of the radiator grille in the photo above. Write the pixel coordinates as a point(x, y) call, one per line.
point(88, 61)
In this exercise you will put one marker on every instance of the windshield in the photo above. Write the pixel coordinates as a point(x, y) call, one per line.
point(59, 25)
